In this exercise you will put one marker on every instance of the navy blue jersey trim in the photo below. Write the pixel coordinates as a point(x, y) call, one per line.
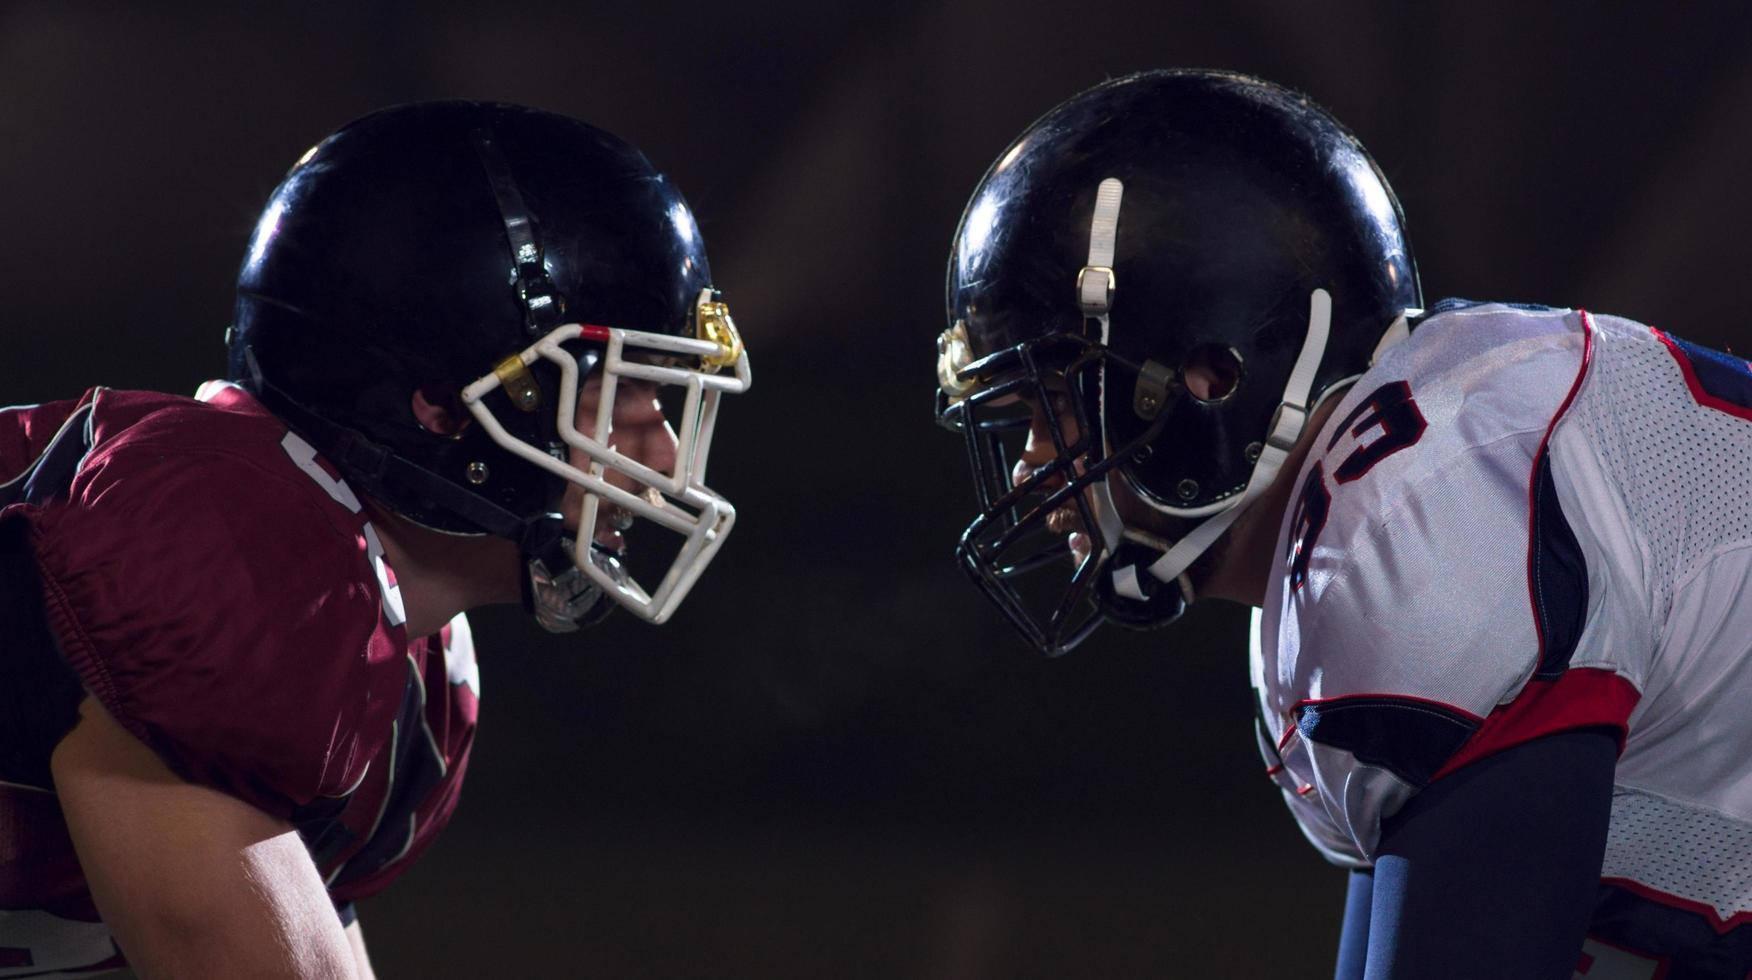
point(414, 771)
point(1405, 736)
point(319, 824)
point(1660, 931)
point(418, 768)
point(1723, 376)
point(50, 475)
point(1560, 576)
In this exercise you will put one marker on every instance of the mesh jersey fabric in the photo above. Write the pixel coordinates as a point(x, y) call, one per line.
point(1411, 641)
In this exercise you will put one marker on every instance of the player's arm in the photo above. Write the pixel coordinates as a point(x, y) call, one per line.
point(1492, 871)
point(192, 882)
point(361, 958)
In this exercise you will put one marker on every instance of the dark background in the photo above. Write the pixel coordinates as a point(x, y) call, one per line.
point(836, 761)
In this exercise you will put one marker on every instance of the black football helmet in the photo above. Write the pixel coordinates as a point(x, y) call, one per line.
point(490, 257)
point(1153, 222)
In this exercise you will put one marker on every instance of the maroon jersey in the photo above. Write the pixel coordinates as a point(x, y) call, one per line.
point(215, 584)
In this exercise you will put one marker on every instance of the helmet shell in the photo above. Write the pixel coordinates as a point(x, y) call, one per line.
point(1240, 198)
point(382, 265)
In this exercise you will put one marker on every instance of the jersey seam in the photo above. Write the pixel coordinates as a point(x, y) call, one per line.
point(1685, 802)
point(85, 659)
point(88, 653)
point(1702, 564)
point(1420, 709)
point(1540, 613)
point(1381, 520)
point(1371, 531)
point(1402, 500)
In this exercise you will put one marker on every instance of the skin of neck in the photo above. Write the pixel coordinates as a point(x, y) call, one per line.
point(1249, 549)
point(440, 574)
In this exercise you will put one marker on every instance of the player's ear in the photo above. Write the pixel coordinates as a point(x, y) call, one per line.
point(440, 411)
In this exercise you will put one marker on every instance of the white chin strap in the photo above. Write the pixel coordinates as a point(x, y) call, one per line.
point(1095, 285)
point(1287, 424)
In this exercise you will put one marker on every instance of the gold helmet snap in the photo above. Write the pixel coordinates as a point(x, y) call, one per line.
point(712, 323)
point(954, 353)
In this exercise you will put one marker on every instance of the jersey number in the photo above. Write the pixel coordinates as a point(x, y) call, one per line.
point(1392, 411)
point(1395, 412)
point(1311, 507)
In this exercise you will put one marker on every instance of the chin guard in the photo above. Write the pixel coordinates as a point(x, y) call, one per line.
point(1160, 603)
point(569, 601)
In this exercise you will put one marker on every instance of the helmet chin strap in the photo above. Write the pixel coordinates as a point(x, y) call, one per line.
point(1095, 286)
point(1287, 424)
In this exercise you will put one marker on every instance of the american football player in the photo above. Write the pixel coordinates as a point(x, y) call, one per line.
point(1500, 553)
point(477, 358)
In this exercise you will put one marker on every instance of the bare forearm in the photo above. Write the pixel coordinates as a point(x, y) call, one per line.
point(262, 922)
point(192, 883)
point(361, 958)
point(167, 950)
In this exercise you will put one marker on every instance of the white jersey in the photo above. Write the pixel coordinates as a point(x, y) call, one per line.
point(1521, 522)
